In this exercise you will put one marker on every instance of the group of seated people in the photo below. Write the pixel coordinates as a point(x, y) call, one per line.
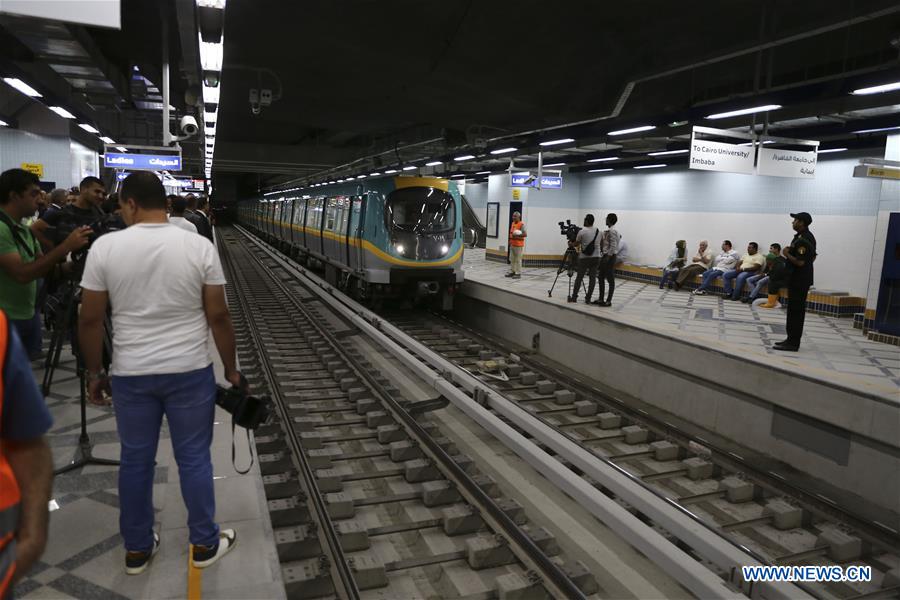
point(755, 270)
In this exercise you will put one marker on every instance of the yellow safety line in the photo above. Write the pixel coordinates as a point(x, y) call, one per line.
point(195, 577)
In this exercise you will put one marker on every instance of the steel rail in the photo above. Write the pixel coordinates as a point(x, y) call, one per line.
point(450, 380)
point(342, 576)
point(559, 584)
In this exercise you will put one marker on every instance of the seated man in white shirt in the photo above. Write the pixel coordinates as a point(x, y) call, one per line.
point(751, 264)
point(178, 206)
point(724, 262)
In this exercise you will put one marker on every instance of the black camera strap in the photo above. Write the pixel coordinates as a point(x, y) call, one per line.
point(17, 237)
point(234, 453)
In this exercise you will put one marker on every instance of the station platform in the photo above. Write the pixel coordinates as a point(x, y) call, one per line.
point(830, 411)
point(85, 557)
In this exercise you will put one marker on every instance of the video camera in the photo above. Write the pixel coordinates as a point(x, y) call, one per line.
point(247, 411)
point(568, 229)
point(102, 225)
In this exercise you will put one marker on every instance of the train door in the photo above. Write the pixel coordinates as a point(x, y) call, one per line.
point(314, 225)
point(348, 231)
point(361, 233)
point(300, 221)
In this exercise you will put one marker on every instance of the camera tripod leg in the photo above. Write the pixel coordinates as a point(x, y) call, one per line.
point(85, 454)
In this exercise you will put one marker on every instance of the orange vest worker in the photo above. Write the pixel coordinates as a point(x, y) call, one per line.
point(519, 242)
point(9, 491)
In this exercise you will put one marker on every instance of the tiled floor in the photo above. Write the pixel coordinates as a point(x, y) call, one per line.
point(85, 557)
point(832, 350)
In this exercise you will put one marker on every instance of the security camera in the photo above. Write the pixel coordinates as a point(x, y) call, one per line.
point(189, 125)
point(530, 179)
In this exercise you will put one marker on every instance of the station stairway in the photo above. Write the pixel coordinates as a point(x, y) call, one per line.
point(474, 232)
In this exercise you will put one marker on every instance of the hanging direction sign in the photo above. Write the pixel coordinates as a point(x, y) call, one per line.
point(787, 163)
point(718, 156)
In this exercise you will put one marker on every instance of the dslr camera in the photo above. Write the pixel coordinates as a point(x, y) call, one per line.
point(568, 229)
point(247, 411)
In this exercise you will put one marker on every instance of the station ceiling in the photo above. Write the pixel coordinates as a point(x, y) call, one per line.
point(388, 82)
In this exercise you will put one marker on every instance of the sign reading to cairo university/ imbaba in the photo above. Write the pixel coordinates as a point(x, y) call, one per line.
point(718, 156)
point(786, 163)
point(142, 162)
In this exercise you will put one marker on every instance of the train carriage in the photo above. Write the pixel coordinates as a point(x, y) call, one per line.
point(388, 237)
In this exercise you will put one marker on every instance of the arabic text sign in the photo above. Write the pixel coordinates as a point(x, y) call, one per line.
point(121, 175)
point(718, 156)
point(786, 163)
point(142, 162)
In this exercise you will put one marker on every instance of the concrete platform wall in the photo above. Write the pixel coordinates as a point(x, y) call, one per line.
point(838, 435)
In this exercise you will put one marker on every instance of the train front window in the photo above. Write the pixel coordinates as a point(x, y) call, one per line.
point(421, 210)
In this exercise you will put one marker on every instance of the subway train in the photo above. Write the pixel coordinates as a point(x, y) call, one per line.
point(376, 238)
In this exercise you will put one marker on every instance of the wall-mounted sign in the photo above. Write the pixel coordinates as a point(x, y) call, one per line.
point(786, 163)
point(143, 161)
point(36, 168)
point(492, 219)
point(517, 194)
point(547, 182)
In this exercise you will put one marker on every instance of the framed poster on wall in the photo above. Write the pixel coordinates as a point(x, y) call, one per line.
point(492, 220)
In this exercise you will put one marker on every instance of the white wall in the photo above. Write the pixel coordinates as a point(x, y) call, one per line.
point(84, 162)
point(17, 147)
point(657, 207)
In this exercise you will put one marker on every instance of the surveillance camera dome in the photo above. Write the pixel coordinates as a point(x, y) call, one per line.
point(189, 125)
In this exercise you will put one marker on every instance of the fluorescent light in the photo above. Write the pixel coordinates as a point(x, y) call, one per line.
point(410, 168)
point(3, 123)
point(557, 142)
point(464, 157)
point(107, 140)
point(877, 130)
point(632, 130)
point(211, 3)
point(22, 87)
point(744, 111)
point(503, 150)
point(375, 174)
point(88, 128)
point(483, 173)
point(387, 172)
point(599, 170)
point(62, 112)
point(211, 55)
point(210, 95)
point(433, 163)
point(121, 148)
point(360, 176)
point(555, 164)
point(667, 152)
point(827, 150)
point(878, 89)
point(605, 159)
point(459, 175)
point(650, 166)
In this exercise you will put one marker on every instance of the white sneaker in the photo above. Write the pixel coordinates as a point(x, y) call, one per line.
point(204, 556)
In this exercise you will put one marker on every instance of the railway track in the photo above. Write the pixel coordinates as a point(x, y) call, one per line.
point(754, 515)
point(366, 498)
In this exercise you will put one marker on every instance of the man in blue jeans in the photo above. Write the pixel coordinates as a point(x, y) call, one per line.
point(166, 289)
point(751, 264)
point(724, 263)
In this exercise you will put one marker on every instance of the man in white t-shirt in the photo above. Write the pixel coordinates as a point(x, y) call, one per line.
point(724, 262)
point(178, 206)
point(166, 290)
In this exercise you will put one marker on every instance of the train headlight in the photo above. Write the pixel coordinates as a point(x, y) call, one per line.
point(445, 249)
point(399, 248)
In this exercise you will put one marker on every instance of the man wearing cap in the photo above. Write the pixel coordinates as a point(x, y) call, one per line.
point(800, 255)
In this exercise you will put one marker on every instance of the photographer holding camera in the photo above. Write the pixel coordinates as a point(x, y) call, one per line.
point(84, 211)
point(21, 260)
point(167, 291)
point(588, 257)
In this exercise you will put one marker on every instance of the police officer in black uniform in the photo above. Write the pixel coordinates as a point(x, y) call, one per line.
point(800, 255)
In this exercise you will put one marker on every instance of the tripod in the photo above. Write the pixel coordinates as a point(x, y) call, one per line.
point(64, 320)
point(567, 265)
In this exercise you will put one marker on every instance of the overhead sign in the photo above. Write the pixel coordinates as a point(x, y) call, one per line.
point(36, 168)
point(877, 172)
point(142, 162)
point(718, 156)
point(547, 182)
point(121, 175)
point(786, 163)
point(96, 13)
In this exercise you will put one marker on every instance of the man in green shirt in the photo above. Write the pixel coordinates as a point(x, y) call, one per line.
point(21, 261)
